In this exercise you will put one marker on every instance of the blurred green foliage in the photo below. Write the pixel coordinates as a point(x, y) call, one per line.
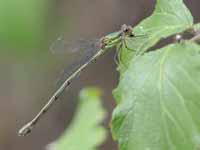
point(84, 133)
point(22, 27)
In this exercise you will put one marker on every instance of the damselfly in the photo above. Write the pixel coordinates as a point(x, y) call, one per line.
point(102, 46)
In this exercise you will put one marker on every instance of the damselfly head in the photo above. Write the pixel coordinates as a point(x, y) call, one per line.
point(126, 29)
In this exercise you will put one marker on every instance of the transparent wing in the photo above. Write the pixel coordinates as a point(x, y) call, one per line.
point(84, 49)
point(61, 45)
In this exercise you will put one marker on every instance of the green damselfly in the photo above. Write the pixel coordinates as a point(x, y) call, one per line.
point(102, 46)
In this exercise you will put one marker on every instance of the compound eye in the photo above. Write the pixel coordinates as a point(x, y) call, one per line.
point(124, 28)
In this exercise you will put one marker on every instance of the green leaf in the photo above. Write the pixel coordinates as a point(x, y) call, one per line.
point(169, 17)
point(84, 133)
point(160, 105)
